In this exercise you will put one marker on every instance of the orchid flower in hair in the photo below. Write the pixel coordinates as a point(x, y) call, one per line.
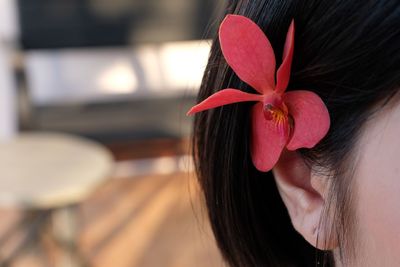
point(295, 119)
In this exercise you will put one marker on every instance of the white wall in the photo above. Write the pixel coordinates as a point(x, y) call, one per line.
point(8, 35)
point(8, 116)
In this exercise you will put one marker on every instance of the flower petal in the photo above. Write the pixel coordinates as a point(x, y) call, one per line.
point(248, 52)
point(267, 140)
point(283, 73)
point(311, 118)
point(224, 97)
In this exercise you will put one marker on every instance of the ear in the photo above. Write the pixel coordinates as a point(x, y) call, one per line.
point(304, 194)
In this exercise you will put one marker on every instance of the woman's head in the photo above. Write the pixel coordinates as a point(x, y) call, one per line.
point(348, 53)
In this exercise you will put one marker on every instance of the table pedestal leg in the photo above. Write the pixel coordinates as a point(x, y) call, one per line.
point(65, 231)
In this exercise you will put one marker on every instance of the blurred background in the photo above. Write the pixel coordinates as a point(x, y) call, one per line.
point(94, 140)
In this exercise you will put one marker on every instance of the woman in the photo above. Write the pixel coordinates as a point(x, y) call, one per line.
point(335, 203)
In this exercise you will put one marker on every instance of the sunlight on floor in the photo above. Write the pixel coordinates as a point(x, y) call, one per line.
point(148, 221)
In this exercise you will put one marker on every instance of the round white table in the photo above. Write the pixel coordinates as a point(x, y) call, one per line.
point(48, 174)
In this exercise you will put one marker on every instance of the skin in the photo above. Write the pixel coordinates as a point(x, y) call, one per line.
point(377, 183)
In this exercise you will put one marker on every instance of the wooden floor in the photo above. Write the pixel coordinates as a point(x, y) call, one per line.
point(152, 221)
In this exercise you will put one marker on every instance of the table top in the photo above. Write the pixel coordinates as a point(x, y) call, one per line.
point(47, 170)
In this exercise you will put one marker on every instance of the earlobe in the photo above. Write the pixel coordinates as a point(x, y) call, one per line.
point(304, 194)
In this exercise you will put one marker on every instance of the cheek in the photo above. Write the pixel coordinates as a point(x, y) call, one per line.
point(378, 198)
point(379, 211)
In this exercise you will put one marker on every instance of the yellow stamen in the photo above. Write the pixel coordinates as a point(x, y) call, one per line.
point(280, 119)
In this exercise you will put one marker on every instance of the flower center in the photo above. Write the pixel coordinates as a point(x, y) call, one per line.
point(274, 113)
point(276, 110)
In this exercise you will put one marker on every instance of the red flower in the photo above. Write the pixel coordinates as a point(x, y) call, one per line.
point(296, 119)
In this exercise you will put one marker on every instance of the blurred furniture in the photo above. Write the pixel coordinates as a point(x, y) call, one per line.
point(47, 174)
point(117, 66)
point(111, 94)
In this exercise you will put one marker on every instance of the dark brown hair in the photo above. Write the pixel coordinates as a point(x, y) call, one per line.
point(345, 51)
